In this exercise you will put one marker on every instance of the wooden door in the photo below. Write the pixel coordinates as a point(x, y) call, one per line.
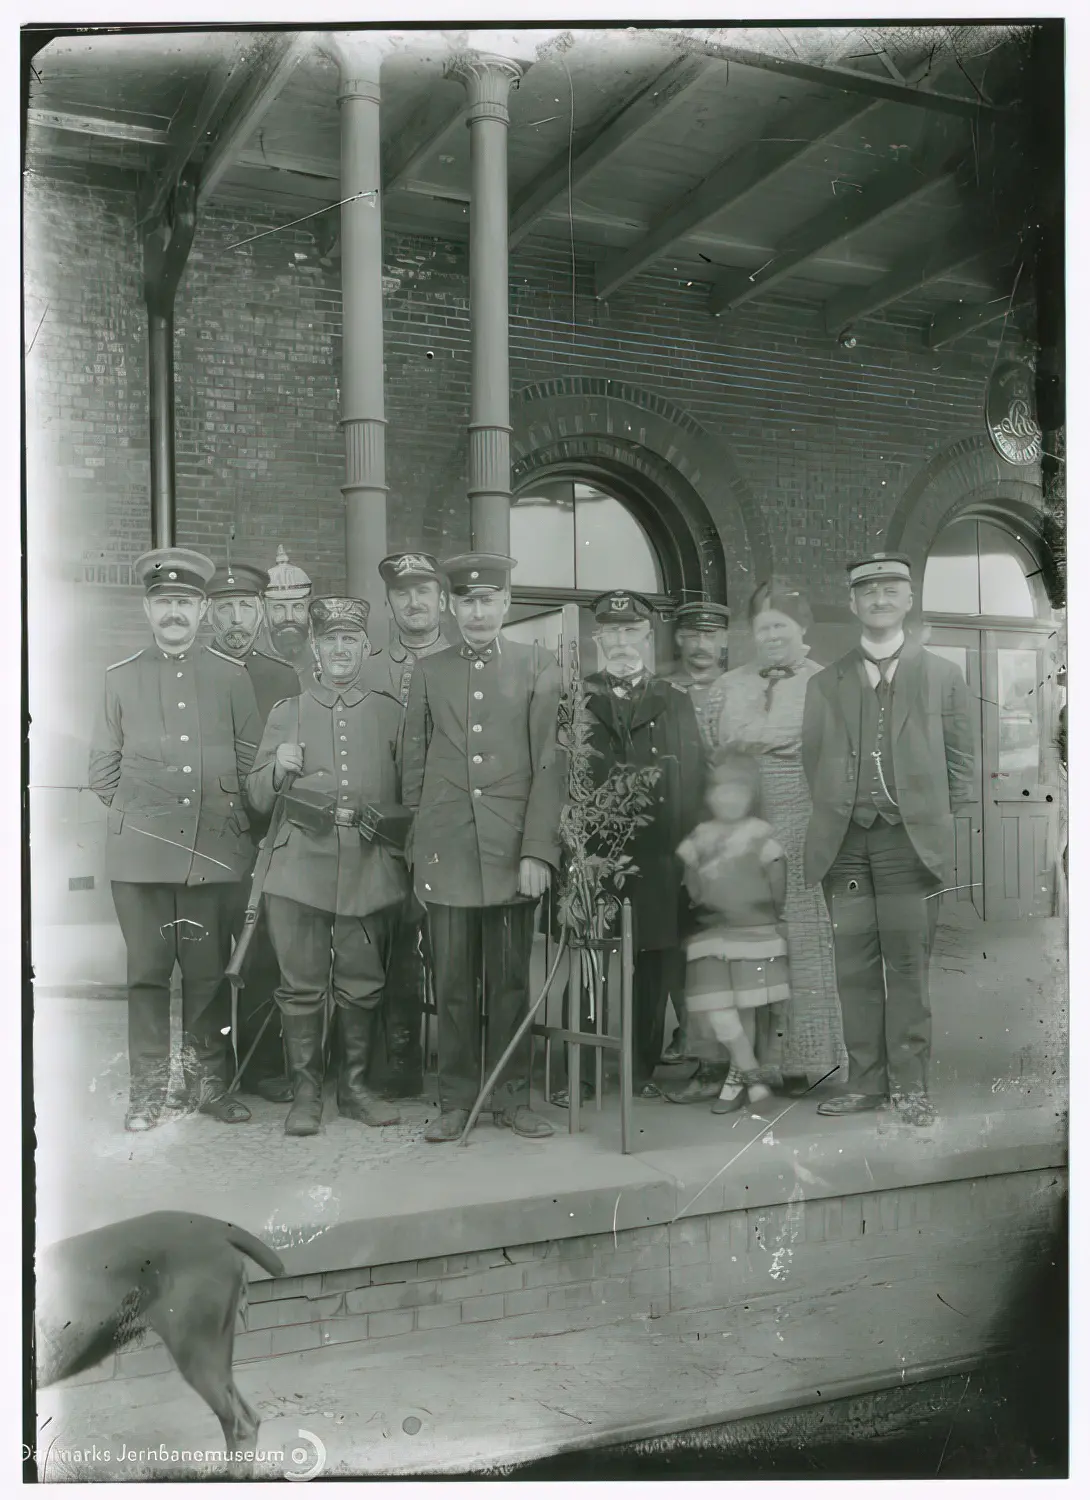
point(960, 645)
point(1021, 774)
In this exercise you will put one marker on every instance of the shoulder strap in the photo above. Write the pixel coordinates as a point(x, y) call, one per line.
point(124, 660)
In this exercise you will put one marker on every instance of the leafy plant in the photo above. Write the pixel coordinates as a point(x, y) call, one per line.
point(597, 821)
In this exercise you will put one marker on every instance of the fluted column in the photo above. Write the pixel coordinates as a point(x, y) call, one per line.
point(363, 413)
point(488, 83)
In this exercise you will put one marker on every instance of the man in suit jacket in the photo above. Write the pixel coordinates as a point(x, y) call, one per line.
point(236, 613)
point(483, 770)
point(174, 741)
point(332, 897)
point(642, 720)
point(889, 752)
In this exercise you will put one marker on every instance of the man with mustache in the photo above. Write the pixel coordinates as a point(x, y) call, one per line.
point(642, 720)
point(332, 896)
point(287, 600)
point(236, 613)
point(888, 751)
point(416, 598)
point(174, 741)
point(483, 770)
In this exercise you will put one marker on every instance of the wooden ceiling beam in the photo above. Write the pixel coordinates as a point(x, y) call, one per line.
point(99, 125)
point(970, 317)
point(423, 133)
point(267, 79)
point(566, 172)
point(890, 191)
point(909, 275)
point(202, 102)
point(749, 167)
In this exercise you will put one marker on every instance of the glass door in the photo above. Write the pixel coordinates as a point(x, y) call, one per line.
point(961, 645)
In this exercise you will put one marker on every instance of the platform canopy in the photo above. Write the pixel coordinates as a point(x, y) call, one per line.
point(878, 171)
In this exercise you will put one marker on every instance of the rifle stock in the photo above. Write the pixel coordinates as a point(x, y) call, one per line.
point(233, 971)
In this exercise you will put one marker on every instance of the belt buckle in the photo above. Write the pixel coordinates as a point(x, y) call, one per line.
point(344, 817)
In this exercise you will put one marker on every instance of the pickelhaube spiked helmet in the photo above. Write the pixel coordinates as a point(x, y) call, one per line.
point(286, 581)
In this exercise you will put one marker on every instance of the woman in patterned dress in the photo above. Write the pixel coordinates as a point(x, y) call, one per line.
point(761, 715)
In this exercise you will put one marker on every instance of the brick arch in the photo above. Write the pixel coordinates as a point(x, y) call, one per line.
point(967, 475)
point(701, 512)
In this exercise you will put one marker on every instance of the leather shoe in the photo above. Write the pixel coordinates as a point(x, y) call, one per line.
point(140, 1118)
point(851, 1104)
point(448, 1127)
point(275, 1090)
point(700, 1089)
point(646, 1091)
point(523, 1121)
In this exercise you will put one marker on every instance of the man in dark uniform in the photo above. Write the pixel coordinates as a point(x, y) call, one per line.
point(888, 751)
point(174, 741)
point(483, 770)
point(332, 896)
point(416, 598)
point(642, 720)
point(287, 602)
point(236, 613)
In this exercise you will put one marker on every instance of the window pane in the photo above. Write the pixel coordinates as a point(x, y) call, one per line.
point(1019, 705)
point(543, 538)
point(1003, 567)
point(951, 580)
point(958, 655)
point(611, 549)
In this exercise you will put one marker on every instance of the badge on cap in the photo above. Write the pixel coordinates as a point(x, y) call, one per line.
point(619, 602)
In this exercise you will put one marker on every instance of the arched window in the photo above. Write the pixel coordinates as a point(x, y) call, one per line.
point(979, 568)
point(571, 538)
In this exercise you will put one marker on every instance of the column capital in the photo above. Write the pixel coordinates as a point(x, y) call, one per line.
point(359, 56)
point(487, 79)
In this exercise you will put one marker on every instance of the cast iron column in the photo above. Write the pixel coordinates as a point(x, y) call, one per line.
point(166, 247)
point(488, 82)
point(362, 406)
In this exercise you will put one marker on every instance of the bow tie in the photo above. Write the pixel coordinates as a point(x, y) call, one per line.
point(626, 686)
point(776, 674)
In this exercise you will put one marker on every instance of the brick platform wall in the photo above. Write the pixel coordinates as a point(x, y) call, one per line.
point(693, 1277)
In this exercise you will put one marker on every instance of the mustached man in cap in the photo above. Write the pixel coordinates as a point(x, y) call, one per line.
point(483, 770)
point(638, 719)
point(332, 896)
point(287, 605)
point(236, 613)
point(174, 742)
point(888, 752)
point(416, 599)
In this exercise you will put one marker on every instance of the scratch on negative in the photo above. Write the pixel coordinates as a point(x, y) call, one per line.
point(174, 842)
point(616, 1206)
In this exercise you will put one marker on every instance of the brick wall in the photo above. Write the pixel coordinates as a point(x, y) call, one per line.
point(696, 1275)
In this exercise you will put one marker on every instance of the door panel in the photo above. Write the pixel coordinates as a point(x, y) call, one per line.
point(961, 646)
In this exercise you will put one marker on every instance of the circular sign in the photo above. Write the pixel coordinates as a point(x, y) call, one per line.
point(1010, 410)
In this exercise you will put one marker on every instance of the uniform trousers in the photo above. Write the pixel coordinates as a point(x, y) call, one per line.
point(481, 950)
point(883, 904)
point(399, 1061)
point(163, 925)
point(322, 950)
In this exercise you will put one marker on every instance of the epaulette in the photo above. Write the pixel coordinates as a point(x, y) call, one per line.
point(224, 657)
point(677, 687)
point(277, 661)
point(289, 699)
point(125, 659)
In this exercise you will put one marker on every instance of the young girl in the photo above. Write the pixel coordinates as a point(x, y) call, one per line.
point(736, 875)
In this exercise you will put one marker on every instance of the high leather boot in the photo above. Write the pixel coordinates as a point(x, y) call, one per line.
point(303, 1041)
point(354, 1099)
point(404, 1062)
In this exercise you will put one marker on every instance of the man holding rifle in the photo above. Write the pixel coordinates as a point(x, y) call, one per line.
point(336, 879)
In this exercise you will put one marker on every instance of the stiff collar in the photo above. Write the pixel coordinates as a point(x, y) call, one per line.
point(882, 651)
point(330, 695)
point(399, 652)
point(470, 653)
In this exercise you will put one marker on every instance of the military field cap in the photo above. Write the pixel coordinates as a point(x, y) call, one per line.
point(471, 571)
point(238, 578)
point(880, 565)
point(286, 581)
point(403, 567)
point(336, 613)
point(620, 607)
point(702, 614)
point(174, 570)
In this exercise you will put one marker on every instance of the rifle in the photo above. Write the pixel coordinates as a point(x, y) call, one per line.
point(233, 972)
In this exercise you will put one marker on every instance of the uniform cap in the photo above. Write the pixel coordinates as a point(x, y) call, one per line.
point(471, 571)
point(702, 615)
point(621, 607)
point(238, 578)
point(335, 613)
point(880, 565)
point(174, 570)
point(286, 581)
point(403, 567)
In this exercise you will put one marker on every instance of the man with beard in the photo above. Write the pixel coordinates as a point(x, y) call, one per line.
point(483, 770)
point(332, 897)
point(416, 599)
point(287, 600)
point(236, 612)
point(888, 752)
point(174, 741)
point(642, 720)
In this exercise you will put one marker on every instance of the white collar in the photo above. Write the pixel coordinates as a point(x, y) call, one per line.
point(881, 649)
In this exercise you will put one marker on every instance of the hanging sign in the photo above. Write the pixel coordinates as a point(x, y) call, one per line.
point(1010, 410)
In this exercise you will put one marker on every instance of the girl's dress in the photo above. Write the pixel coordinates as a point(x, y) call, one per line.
point(762, 716)
point(737, 956)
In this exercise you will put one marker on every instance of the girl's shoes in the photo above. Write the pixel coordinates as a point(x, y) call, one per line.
point(734, 1096)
